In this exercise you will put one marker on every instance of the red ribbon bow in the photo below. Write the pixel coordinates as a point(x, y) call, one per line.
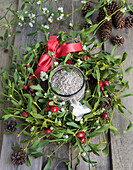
point(45, 60)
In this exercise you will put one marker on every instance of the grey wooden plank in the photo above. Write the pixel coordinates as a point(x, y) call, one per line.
point(103, 163)
point(5, 61)
point(12, 140)
point(121, 149)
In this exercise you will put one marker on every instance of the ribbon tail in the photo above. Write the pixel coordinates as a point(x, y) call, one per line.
point(65, 49)
point(43, 65)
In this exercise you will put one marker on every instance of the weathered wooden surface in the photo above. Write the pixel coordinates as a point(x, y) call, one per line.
point(5, 61)
point(121, 149)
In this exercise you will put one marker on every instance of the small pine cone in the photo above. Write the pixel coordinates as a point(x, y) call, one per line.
point(86, 25)
point(18, 157)
point(129, 22)
point(86, 8)
point(113, 6)
point(118, 17)
point(106, 27)
point(106, 105)
point(10, 126)
point(118, 40)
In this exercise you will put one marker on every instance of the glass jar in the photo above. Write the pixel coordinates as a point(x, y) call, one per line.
point(78, 93)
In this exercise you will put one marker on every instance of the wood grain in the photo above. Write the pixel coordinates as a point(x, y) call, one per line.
point(122, 149)
point(4, 55)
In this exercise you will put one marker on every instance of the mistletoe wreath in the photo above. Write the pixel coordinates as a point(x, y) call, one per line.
point(45, 110)
point(62, 93)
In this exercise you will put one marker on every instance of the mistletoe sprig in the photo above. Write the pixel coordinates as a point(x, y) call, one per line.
point(31, 11)
point(39, 114)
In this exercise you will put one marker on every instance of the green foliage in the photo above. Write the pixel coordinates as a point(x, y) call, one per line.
point(103, 66)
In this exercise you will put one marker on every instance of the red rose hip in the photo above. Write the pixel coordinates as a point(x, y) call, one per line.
point(25, 114)
point(86, 57)
point(48, 109)
point(80, 134)
point(47, 131)
point(100, 83)
point(69, 61)
point(106, 83)
point(102, 88)
point(54, 109)
point(82, 139)
point(25, 87)
point(31, 84)
point(50, 104)
point(105, 115)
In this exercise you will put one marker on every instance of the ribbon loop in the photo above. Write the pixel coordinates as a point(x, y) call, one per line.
point(45, 60)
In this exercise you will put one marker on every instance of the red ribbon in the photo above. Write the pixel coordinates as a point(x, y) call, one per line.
point(45, 60)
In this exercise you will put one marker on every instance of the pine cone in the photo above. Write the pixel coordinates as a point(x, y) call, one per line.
point(106, 105)
point(106, 27)
point(118, 17)
point(86, 8)
point(18, 157)
point(129, 21)
point(118, 40)
point(10, 126)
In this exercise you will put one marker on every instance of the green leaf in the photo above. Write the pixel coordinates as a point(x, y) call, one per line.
point(67, 69)
point(97, 72)
point(39, 146)
point(69, 168)
point(99, 131)
point(37, 155)
point(26, 48)
point(37, 45)
point(52, 73)
point(38, 87)
point(128, 128)
point(58, 135)
point(56, 89)
point(129, 69)
point(115, 132)
point(112, 128)
point(124, 56)
point(73, 124)
point(106, 150)
point(30, 119)
point(67, 58)
point(125, 95)
point(48, 165)
point(16, 148)
point(3, 93)
point(6, 34)
point(30, 70)
point(28, 160)
point(105, 74)
point(114, 49)
point(49, 52)
point(89, 115)
point(33, 33)
point(87, 104)
point(89, 13)
point(5, 117)
point(4, 44)
point(39, 94)
point(37, 116)
point(30, 101)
